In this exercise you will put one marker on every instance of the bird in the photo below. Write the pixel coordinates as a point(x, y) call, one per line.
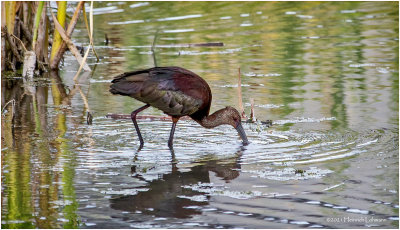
point(177, 92)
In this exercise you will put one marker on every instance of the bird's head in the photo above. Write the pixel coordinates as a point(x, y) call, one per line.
point(233, 118)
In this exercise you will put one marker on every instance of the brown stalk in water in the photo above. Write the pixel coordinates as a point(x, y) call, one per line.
point(27, 34)
point(69, 43)
point(90, 31)
point(57, 56)
point(88, 49)
point(242, 114)
point(13, 47)
point(252, 114)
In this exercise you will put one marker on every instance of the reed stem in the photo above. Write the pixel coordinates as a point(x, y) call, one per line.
point(242, 114)
point(61, 17)
point(10, 7)
point(37, 21)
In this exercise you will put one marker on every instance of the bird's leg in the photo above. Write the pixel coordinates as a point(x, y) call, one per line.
point(133, 116)
point(174, 162)
point(171, 134)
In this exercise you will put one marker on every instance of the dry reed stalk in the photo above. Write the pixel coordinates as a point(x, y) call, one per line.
point(88, 49)
point(150, 117)
point(3, 14)
point(3, 52)
point(25, 14)
point(153, 53)
point(25, 31)
point(242, 114)
point(57, 57)
point(3, 38)
point(252, 114)
point(12, 102)
point(89, 117)
point(40, 49)
point(90, 32)
point(22, 43)
point(69, 43)
point(13, 47)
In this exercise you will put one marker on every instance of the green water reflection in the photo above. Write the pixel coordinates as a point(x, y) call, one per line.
point(35, 143)
point(298, 60)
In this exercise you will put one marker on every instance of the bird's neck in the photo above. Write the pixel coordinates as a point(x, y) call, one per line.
point(213, 120)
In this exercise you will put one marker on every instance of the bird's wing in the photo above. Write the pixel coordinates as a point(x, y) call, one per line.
point(128, 83)
point(162, 88)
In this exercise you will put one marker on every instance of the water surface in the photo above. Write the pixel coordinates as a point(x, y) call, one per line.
point(325, 73)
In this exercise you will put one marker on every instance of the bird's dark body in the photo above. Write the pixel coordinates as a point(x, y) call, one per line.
point(176, 91)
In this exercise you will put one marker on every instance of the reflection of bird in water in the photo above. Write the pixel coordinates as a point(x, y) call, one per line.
point(165, 195)
point(177, 92)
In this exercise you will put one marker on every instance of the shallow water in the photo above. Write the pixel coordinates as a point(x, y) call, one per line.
point(326, 74)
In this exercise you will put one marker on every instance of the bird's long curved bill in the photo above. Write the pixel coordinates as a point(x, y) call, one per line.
point(242, 134)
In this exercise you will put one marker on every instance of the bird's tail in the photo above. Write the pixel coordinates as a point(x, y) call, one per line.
point(114, 91)
point(128, 83)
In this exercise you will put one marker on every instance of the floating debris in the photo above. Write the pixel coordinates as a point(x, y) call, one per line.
point(290, 173)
